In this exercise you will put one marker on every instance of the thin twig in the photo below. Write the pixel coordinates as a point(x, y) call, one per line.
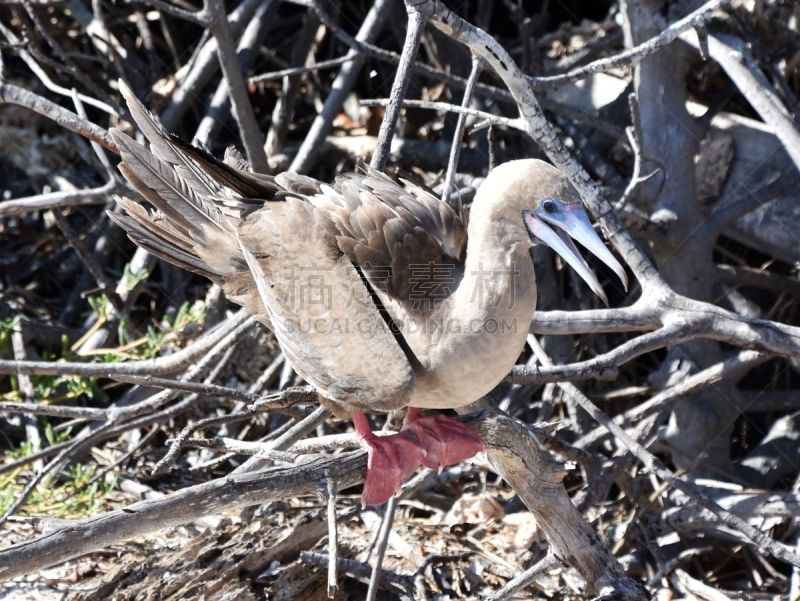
point(603, 366)
point(634, 133)
point(161, 365)
point(736, 366)
point(168, 460)
point(526, 578)
point(416, 26)
point(334, 62)
point(204, 64)
point(444, 106)
point(333, 538)
point(359, 569)
point(633, 56)
point(71, 121)
point(735, 58)
point(383, 541)
point(217, 22)
point(343, 83)
point(247, 49)
point(286, 440)
point(455, 147)
point(105, 283)
point(45, 79)
point(187, 505)
point(222, 392)
point(283, 113)
point(26, 389)
point(53, 410)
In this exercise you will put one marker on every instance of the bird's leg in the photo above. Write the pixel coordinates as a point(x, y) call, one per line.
point(391, 460)
point(445, 440)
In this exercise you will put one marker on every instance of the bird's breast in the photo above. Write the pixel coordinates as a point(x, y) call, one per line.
point(463, 357)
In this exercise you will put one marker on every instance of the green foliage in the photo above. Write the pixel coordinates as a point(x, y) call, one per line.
point(130, 280)
point(100, 306)
point(155, 339)
point(57, 389)
point(26, 449)
point(54, 437)
point(6, 327)
point(81, 494)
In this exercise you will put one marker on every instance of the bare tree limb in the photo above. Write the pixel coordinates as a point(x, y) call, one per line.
point(416, 26)
point(455, 148)
point(341, 85)
point(146, 517)
point(333, 535)
point(444, 106)
point(748, 276)
point(45, 79)
point(633, 56)
point(205, 65)
point(334, 62)
point(147, 366)
point(355, 568)
point(15, 95)
point(525, 579)
point(733, 55)
point(604, 366)
point(283, 112)
point(217, 22)
point(522, 461)
point(731, 368)
point(57, 200)
point(383, 540)
point(247, 49)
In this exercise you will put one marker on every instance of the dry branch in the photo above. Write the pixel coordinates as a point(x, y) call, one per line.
point(161, 365)
point(733, 56)
point(343, 83)
point(190, 504)
point(67, 119)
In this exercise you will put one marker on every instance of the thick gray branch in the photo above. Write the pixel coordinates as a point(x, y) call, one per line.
point(146, 517)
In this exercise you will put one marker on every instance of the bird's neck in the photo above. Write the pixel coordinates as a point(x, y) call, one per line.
point(481, 329)
point(498, 277)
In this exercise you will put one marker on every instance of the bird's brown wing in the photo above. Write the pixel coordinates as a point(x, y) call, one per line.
point(272, 257)
point(409, 244)
point(322, 312)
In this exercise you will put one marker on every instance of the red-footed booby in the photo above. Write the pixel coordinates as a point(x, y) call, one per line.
point(380, 296)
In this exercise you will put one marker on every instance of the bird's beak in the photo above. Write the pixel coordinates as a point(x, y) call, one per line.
point(555, 228)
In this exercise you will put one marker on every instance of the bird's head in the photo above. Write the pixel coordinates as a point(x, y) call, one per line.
point(551, 212)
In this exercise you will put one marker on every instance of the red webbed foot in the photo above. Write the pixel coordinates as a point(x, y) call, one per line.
point(445, 440)
point(391, 461)
point(435, 441)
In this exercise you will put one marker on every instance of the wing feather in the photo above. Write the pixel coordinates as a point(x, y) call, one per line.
point(322, 313)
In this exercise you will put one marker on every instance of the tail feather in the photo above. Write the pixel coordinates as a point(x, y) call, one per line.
point(198, 201)
point(170, 193)
point(177, 221)
point(231, 173)
point(158, 246)
point(161, 146)
point(158, 225)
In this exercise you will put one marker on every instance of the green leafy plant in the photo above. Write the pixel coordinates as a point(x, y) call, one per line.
point(80, 495)
point(6, 327)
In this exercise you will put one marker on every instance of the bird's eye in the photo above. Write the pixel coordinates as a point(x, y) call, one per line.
point(550, 206)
